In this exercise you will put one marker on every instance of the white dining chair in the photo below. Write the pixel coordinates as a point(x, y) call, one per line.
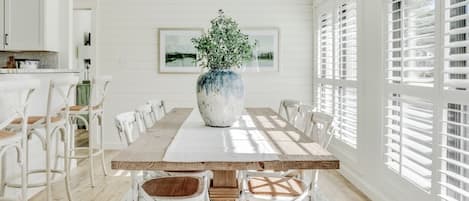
point(322, 131)
point(14, 105)
point(159, 108)
point(128, 127)
point(303, 116)
point(321, 128)
point(290, 185)
point(161, 185)
point(94, 112)
point(55, 123)
point(301, 120)
point(288, 109)
point(274, 188)
point(147, 115)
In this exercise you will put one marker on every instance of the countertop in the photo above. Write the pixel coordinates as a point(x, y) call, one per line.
point(35, 71)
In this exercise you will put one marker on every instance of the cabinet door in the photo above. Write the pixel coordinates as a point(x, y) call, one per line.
point(2, 24)
point(23, 24)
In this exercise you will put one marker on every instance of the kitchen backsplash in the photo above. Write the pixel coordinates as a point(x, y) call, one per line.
point(47, 59)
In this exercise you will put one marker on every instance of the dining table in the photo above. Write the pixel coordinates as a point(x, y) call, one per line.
point(261, 139)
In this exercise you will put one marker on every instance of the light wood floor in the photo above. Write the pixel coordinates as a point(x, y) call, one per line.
point(333, 186)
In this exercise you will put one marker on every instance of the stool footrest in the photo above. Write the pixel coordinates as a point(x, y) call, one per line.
point(34, 185)
point(82, 156)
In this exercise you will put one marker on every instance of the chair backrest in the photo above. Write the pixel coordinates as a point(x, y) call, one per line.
point(14, 100)
point(128, 127)
point(303, 117)
point(99, 87)
point(159, 108)
point(288, 109)
point(60, 92)
point(145, 115)
point(321, 128)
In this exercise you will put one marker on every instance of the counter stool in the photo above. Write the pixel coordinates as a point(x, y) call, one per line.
point(54, 122)
point(14, 139)
point(94, 110)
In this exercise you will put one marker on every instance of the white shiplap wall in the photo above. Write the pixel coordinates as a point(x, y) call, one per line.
point(127, 50)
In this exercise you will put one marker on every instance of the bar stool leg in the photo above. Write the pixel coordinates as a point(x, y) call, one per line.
point(103, 163)
point(3, 174)
point(90, 152)
point(24, 176)
point(66, 133)
point(48, 168)
point(56, 161)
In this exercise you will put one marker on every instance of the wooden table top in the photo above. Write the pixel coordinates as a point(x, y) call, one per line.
point(295, 150)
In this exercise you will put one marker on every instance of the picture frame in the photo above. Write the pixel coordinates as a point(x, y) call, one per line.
point(267, 49)
point(176, 53)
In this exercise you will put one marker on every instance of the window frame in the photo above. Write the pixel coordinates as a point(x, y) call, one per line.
point(343, 150)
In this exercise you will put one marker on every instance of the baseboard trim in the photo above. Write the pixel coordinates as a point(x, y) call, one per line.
point(372, 192)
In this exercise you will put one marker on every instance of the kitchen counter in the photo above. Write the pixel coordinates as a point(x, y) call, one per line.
point(34, 71)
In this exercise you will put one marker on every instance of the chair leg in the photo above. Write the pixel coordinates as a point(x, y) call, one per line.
point(67, 163)
point(56, 155)
point(313, 189)
point(103, 163)
point(48, 168)
point(90, 154)
point(134, 188)
point(24, 174)
point(3, 172)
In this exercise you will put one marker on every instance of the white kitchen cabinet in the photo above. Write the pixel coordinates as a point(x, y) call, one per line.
point(31, 25)
point(2, 23)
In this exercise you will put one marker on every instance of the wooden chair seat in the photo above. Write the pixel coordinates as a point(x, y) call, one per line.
point(276, 186)
point(172, 186)
point(34, 119)
point(76, 108)
point(6, 134)
point(185, 171)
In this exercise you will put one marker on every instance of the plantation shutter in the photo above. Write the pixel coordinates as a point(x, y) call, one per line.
point(409, 128)
point(346, 40)
point(455, 128)
point(411, 26)
point(346, 114)
point(336, 91)
point(325, 98)
point(346, 73)
point(409, 114)
point(326, 46)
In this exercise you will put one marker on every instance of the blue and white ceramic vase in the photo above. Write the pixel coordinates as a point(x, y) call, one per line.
point(220, 96)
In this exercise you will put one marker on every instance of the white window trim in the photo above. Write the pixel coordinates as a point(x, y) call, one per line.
point(439, 97)
point(343, 151)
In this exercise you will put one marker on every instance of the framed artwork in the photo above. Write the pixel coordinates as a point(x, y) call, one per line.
point(176, 51)
point(265, 54)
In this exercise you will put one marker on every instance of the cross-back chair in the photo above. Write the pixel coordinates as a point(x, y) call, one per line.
point(288, 109)
point(14, 105)
point(94, 112)
point(160, 185)
point(56, 124)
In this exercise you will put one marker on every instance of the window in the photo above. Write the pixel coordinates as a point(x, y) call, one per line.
point(455, 159)
point(410, 81)
point(409, 138)
point(336, 91)
point(414, 77)
point(411, 42)
point(455, 128)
